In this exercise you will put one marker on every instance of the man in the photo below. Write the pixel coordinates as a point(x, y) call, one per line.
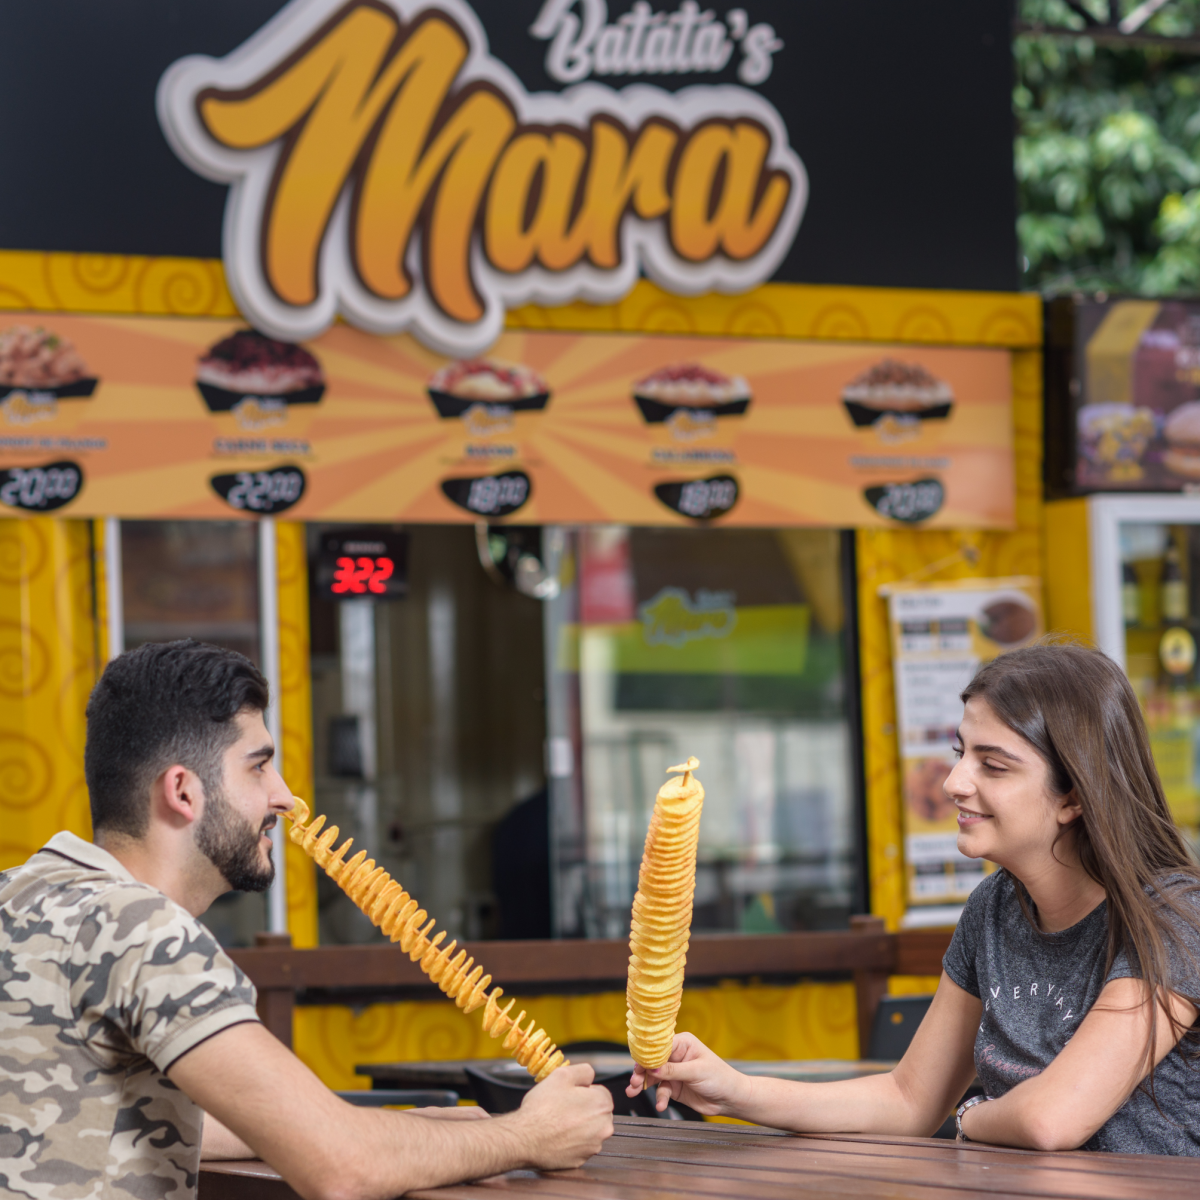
point(123, 1023)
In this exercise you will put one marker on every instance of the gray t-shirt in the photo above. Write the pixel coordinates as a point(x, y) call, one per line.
point(1036, 987)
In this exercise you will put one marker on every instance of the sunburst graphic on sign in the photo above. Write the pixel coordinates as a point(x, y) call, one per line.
point(548, 427)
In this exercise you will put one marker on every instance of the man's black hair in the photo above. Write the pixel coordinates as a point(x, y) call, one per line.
point(162, 704)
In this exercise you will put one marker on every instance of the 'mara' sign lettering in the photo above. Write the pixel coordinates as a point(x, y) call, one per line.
point(385, 166)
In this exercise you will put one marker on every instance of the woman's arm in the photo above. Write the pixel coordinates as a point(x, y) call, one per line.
point(915, 1098)
point(1091, 1078)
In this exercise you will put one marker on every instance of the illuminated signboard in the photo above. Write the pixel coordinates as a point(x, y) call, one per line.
point(537, 151)
point(359, 137)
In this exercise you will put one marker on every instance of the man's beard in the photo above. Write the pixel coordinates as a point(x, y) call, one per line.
point(232, 845)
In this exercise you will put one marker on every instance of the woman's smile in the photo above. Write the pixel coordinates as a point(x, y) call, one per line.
point(967, 817)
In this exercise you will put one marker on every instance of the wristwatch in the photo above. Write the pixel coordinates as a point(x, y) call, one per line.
point(958, 1116)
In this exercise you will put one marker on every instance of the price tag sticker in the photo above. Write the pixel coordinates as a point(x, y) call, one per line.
point(489, 495)
point(700, 499)
point(40, 489)
point(909, 503)
point(262, 493)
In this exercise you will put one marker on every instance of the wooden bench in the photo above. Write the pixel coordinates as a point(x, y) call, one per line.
point(378, 973)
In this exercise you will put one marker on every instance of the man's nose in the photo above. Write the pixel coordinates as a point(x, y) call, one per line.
point(281, 795)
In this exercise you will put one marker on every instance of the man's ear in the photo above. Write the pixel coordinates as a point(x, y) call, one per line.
point(178, 795)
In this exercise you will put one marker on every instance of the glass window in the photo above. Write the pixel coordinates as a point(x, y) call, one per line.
point(724, 644)
point(495, 737)
point(429, 735)
point(191, 579)
point(197, 579)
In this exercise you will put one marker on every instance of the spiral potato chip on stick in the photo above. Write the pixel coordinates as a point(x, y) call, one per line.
point(662, 917)
point(393, 910)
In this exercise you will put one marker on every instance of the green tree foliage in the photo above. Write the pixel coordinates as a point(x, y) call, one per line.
point(1108, 154)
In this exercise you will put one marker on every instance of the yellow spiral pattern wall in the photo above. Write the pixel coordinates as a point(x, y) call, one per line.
point(819, 313)
point(50, 642)
point(54, 281)
point(53, 641)
point(805, 1020)
point(48, 659)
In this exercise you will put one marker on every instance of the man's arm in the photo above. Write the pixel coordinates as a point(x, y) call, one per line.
point(330, 1150)
point(1091, 1078)
point(914, 1099)
point(218, 1143)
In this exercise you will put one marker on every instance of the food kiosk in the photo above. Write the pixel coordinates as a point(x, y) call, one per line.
point(553, 414)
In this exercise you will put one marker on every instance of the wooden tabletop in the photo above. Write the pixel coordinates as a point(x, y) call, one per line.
point(657, 1160)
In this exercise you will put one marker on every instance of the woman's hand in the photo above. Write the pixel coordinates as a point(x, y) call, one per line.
point(695, 1076)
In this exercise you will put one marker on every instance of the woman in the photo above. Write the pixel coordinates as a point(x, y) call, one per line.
point(1072, 982)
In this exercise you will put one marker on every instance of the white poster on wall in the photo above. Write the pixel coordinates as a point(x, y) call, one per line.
point(940, 636)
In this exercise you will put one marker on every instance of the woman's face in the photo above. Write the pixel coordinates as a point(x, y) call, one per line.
point(1007, 812)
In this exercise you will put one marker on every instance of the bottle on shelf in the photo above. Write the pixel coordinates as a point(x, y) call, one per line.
point(1174, 598)
point(1130, 597)
point(1171, 702)
point(1177, 645)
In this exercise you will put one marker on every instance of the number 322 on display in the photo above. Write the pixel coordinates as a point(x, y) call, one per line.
point(358, 576)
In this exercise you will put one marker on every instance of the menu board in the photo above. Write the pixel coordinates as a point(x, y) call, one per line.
point(940, 636)
point(179, 417)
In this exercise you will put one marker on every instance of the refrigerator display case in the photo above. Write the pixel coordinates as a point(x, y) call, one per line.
point(1145, 589)
point(1122, 428)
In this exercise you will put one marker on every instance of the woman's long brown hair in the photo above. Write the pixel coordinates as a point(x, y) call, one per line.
point(1075, 707)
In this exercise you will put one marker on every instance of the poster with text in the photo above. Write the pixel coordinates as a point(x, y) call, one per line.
point(940, 636)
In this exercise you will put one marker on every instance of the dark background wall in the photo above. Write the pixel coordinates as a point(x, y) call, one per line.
point(900, 109)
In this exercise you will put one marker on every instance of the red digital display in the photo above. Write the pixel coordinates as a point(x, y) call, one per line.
point(361, 576)
point(362, 564)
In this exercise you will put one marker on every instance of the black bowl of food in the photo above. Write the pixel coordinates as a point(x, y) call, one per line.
point(39, 362)
point(693, 389)
point(903, 390)
point(509, 387)
point(248, 365)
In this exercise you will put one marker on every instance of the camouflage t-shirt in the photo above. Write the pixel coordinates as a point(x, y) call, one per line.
point(104, 983)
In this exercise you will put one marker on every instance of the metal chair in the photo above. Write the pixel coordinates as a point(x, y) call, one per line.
point(390, 1097)
point(495, 1094)
point(595, 1046)
point(500, 1093)
point(896, 1020)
